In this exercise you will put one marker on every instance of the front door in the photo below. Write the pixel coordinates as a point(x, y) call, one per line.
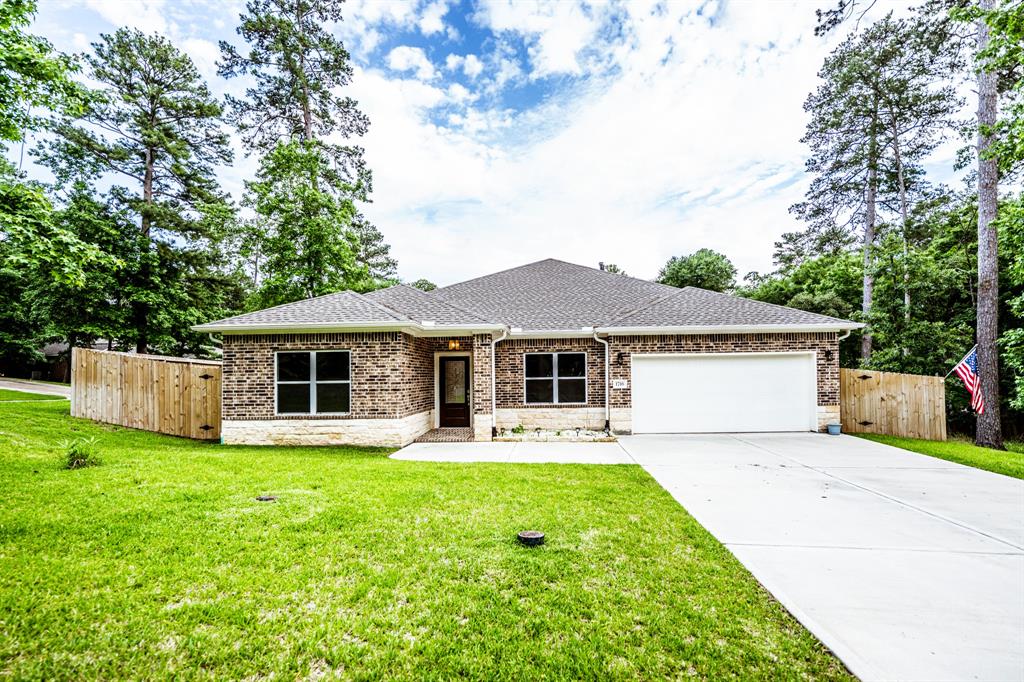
point(454, 373)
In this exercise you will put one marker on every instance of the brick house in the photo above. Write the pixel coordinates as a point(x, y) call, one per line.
point(545, 345)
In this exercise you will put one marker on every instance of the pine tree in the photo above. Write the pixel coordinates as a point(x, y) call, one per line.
point(154, 129)
point(881, 109)
point(289, 116)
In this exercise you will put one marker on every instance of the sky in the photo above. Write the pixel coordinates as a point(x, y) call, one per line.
point(504, 132)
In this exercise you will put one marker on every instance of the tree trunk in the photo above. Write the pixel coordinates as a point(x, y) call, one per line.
point(869, 275)
point(140, 310)
point(989, 430)
point(905, 218)
point(870, 199)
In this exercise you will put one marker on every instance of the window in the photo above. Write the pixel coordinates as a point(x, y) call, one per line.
point(556, 377)
point(313, 382)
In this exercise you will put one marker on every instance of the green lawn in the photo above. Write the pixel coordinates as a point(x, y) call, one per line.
point(1009, 462)
point(8, 394)
point(160, 563)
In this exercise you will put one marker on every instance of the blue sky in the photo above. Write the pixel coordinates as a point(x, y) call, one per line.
point(506, 132)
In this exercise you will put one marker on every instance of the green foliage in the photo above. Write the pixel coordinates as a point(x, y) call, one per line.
point(1011, 235)
point(704, 268)
point(1004, 56)
point(308, 249)
point(80, 453)
point(308, 237)
point(423, 285)
point(154, 130)
point(31, 73)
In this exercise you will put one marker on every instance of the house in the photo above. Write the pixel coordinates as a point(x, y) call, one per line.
point(546, 345)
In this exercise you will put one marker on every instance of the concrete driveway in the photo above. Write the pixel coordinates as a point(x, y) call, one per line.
point(906, 566)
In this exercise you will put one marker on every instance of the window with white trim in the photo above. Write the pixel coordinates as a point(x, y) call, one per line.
point(313, 382)
point(556, 377)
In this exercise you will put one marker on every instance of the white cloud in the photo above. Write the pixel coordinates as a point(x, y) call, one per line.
point(146, 15)
point(406, 58)
point(470, 64)
point(692, 142)
point(432, 19)
point(558, 31)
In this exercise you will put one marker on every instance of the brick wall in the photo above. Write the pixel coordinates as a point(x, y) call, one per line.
point(509, 370)
point(828, 370)
point(482, 374)
point(392, 373)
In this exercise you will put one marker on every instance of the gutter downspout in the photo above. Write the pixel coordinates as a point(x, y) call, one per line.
point(607, 396)
point(494, 392)
point(844, 336)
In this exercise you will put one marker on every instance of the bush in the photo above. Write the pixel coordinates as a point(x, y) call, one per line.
point(80, 453)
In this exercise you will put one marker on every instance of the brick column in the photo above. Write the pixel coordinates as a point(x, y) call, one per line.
point(483, 420)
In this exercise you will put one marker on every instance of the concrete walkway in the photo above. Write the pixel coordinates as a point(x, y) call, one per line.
point(907, 567)
point(522, 453)
point(35, 387)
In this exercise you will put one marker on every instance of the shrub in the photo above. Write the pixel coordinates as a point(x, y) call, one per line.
point(80, 453)
point(518, 428)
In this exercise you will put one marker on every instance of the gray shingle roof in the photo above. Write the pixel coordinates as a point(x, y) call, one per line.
point(342, 307)
point(549, 295)
point(691, 306)
point(552, 294)
point(420, 305)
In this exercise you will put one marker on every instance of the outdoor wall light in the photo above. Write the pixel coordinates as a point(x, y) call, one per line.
point(453, 344)
point(828, 355)
point(618, 357)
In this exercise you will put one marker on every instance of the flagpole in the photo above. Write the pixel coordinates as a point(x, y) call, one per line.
point(961, 360)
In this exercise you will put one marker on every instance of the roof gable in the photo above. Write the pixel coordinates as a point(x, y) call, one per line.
point(552, 295)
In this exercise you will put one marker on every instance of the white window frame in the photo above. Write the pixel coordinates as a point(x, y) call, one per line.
point(554, 377)
point(312, 384)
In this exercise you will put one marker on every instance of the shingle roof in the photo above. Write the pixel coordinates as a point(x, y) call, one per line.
point(546, 296)
point(420, 305)
point(342, 307)
point(553, 295)
point(691, 306)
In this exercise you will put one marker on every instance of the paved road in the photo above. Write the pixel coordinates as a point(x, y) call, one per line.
point(35, 387)
point(906, 566)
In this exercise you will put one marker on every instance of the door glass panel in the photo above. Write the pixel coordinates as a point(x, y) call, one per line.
point(455, 383)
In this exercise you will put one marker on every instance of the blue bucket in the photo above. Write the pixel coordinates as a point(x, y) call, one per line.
point(835, 429)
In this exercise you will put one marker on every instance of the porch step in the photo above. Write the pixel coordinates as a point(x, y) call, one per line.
point(447, 435)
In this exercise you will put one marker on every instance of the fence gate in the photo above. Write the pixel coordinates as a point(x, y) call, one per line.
point(908, 405)
point(177, 396)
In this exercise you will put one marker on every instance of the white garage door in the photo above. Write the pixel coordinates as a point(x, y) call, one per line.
point(724, 393)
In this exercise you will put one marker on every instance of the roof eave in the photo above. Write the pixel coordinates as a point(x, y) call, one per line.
point(413, 328)
point(731, 329)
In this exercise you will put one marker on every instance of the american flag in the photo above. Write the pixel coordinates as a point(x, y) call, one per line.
point(967, 370)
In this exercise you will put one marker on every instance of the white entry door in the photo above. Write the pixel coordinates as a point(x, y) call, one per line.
point(723, 393)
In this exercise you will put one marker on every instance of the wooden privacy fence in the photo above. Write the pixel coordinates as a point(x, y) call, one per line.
point(908, 405)
point(178, 396)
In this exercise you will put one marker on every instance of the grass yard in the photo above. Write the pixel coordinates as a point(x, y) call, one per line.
point(7, 394)
point(1009, 462)
point(160, 563)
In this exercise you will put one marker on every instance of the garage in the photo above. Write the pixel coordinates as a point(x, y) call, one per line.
point(723, 393)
